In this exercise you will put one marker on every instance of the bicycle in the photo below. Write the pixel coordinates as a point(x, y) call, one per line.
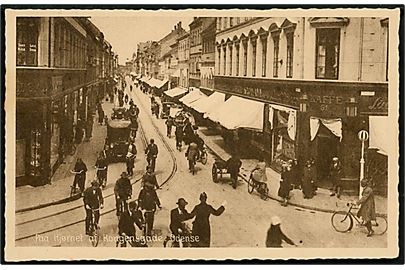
point(261, 187)
point(147, 215)
point(342, 221)
point(94, 234)
point(180, 240)
point(203, 158)
point(74, 190)
point(122, 207)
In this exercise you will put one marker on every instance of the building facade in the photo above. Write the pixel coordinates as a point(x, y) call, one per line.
point(184, 56)
point(320, 80)
point(64, 66)
point(208, 55)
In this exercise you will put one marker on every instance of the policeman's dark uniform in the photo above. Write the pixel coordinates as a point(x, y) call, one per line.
point(122, 191)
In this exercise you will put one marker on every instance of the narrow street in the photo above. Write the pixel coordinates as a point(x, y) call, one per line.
point(243, 224)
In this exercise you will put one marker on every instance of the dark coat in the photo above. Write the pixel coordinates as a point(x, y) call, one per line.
point(201, 224)
point(367, 209)
point(151, 150)
point(233, 164)
point(93, 197)
point(100, 164)
point(148, 199)
point(151, 179)
point(123, 188)
point(275, 236)
point(308, 180)
point(176, 220)
point(192, 151)
point(127, 223)
point(285, 184)
point(335, 173)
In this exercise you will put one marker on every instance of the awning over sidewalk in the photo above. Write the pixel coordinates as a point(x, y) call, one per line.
point(380, 134)
point(177, 91)
point(156, 83)
point(205, 105)
point(192, 97)
point(176, 73)
point(239, 112)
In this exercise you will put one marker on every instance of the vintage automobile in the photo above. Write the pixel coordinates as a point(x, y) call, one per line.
point(119, 113)
point(116, 143)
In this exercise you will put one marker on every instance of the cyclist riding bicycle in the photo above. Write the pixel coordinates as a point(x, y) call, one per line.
point(147, 201)
point(177, 218)
point(102, 167)
point(192, 155)
point(123, 192)
point(93, 199)
point(150, 178)
point(126, 225)
point(80, 177)
point(151, 152)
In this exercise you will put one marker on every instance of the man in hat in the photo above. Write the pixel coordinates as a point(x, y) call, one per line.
point(130, 158)
point(201, 225)
point(149, 178)
point(169, 124)
point(367, 208)
point(123, 192)
point(177, 217)
point(233, 164)
point(335, 173)
point(93, 201)
point(80, 170)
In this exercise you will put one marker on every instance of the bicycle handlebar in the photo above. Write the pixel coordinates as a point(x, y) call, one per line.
point(100, 169)
point(74, 172)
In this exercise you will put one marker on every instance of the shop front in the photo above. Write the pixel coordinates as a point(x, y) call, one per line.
point(312, 120)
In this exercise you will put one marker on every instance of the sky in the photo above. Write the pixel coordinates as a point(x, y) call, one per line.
point(124, 33)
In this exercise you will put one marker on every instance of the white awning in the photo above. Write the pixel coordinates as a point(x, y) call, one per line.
point(192, 97)
point(205, 105)
point(381, 135)
point(177, 91)
point(239, 112)
point(176, 73)
point(157, 83)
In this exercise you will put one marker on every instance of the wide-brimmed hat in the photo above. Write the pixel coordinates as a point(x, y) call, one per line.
point(182, 201)
point(124, 174)
point(275, 220)
point(335, 159)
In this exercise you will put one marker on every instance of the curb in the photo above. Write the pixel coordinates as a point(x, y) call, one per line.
point(318, 209)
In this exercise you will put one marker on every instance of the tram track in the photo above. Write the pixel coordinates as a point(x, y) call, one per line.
point(144, 141)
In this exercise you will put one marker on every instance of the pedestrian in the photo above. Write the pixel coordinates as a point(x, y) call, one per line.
point(157, 110)
point(80, 178)
point(169, 124)
point(89, 127)
point(285, 184)
point(93, 202)
point(233, 165)
point(367, 208)
point(296, 174)
point(79, 131)
point(151, 152)
point(335, 174)
point(126, 226)
point(179, 137)
point(201, 226)
point(100, 113)
point(191, 154)
point(188, 132)
point(308, 180)
point(275, 235)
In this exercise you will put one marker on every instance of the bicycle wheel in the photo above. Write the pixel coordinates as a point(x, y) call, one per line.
point(342, 221)
point(168, 242)
point(94, 236)
point(251, 185)
point(380, 225)
point(264, 192)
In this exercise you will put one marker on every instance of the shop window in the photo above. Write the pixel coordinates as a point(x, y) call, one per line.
point(35, 150)
point(254, 53)
point(290, 54)
point(264, 55)
point(276, 41)
point(327, 53)
point(244, 58)
point(230, 58)
point(27, 41)
point(237, 60)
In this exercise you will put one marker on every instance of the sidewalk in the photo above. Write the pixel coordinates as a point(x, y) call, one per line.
point(321, 202)
point(28, 197)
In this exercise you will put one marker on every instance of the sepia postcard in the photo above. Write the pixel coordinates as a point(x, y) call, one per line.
point(211, 134)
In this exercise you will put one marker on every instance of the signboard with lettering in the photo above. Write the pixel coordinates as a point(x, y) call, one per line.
point(323, 98)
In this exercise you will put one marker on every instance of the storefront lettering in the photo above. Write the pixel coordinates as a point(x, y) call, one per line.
point(254, 92)
point(379, 104)
point(326, 99)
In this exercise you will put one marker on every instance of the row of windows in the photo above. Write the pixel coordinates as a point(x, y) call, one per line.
point(327, 55)
point(70, 47)
point(195, 37)
point(227, 22)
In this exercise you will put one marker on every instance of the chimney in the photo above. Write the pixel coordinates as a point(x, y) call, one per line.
point(179, 25)
point(175, 27)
